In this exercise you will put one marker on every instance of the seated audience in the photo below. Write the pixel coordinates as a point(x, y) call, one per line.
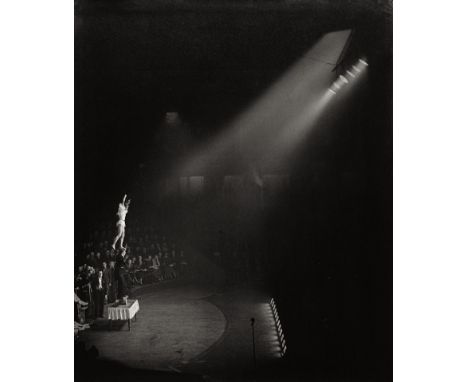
point(148, 258)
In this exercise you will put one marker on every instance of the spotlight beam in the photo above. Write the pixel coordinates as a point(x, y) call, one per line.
point(256, 129)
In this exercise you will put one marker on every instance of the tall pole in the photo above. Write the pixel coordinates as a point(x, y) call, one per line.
point(252, 323)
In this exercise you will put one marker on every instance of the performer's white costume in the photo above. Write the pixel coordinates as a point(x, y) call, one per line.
point(121, 213)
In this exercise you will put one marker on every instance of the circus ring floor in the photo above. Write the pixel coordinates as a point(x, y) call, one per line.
point(190, 328)
point(173, 326)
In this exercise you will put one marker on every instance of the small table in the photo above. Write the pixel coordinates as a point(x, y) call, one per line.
point(123, 312)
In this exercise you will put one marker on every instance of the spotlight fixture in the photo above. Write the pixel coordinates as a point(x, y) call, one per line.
point(352, 74)
point(336, 85)
point(279, 330)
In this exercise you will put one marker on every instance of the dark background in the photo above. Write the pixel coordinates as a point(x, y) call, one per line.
point(329, 237)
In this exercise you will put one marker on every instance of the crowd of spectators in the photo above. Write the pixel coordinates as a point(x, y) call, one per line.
point(149, 258)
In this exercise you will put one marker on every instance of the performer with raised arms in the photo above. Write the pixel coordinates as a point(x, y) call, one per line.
point(121, 213)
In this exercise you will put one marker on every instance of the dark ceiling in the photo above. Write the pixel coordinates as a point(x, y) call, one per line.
point(137, 59)
point(193, 58)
